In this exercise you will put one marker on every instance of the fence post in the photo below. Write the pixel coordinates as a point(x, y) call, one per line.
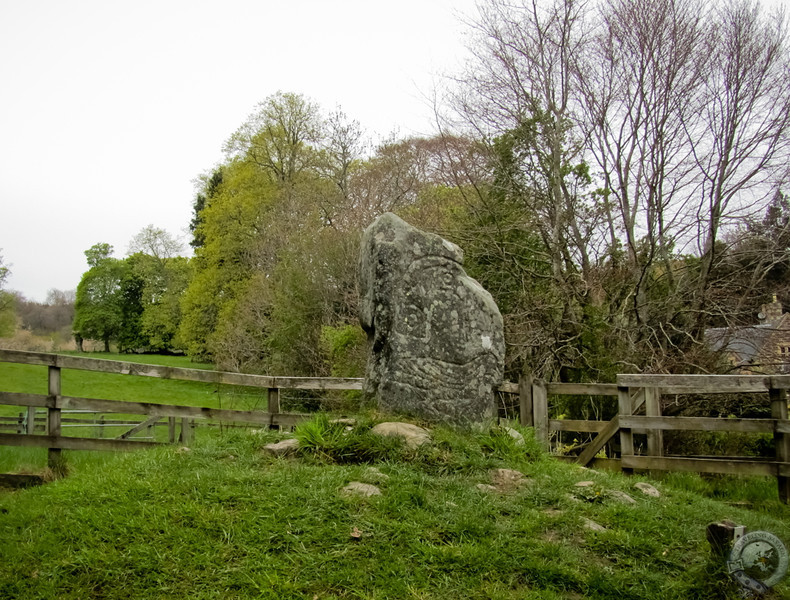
point(625, 409)
point(525, 413)
point(185, 433)
point(55, 460)
point(782, 440)
point(171, 429)
point(655, 437)
point(274, 405)
point(540, 412)
point(31, 420)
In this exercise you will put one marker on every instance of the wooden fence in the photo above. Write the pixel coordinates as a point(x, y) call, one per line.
point(638, 400)
point(639, 411)
point(55, 403)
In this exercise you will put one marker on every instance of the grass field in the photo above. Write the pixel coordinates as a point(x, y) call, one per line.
point(89, 384)
point(225, 520)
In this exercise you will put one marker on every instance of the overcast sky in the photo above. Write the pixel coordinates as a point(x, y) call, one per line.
point(110, 109)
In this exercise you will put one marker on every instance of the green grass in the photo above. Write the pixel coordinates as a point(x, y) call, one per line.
point(225, 520)
point(91, 384)
point(88, 384)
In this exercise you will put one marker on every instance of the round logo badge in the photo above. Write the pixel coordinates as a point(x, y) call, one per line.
point(758, 560)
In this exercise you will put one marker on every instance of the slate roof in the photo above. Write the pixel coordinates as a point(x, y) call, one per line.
point(744, 343)
point(756, 345)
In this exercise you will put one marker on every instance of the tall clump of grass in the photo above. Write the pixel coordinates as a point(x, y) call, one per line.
point(336, 441)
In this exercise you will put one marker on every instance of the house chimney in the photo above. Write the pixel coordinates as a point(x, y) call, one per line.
point(771, 313)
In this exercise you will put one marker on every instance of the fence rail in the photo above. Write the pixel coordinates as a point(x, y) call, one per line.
point(55, 404)
point(639, 411)
point(638, 400)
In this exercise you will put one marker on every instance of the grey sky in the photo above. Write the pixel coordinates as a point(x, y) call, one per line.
point(111, 109)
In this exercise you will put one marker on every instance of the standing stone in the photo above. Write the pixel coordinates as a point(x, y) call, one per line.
point(437, 343)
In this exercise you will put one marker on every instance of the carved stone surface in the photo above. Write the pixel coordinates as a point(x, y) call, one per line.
point(437, 342)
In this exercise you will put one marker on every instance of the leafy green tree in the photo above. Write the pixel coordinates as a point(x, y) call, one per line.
point(99, 301)
point(280, 137)
point(98, 253)
point(7, 312)
point(130, 335)
point(237, 240)
point(210, 188)
point(162, 295)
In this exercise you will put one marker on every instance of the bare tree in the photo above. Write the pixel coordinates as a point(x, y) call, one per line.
point(641, 84)
point(521, 83)
point(155, 242)
point(741, 134)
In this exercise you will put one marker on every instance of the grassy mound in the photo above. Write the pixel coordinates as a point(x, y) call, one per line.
point(226, 520)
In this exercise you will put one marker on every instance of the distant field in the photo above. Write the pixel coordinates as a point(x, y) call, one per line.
point(87, 384)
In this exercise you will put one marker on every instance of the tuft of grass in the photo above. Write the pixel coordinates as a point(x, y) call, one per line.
point(335, 442)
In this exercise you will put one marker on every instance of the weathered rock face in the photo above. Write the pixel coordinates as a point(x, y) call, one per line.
point(437, 342)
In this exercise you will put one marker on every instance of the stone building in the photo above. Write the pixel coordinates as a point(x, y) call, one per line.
point(762, 348)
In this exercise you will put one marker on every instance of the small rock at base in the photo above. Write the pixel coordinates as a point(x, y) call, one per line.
point(283, 447)
point(373, 474)
point(515, 435)
point(412, 435)
point(647, 489)
point(593, 526)
point(357, 488)
point(621, 497)
point(507, 478)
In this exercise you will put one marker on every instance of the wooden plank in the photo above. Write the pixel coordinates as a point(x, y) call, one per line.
point(780, 382)
point(655, 438)
point(273, 401)
point(180, 373)
point(526, 410)
point(607, 464)
point(698, 424)
point(699, 384)
point(540, 412)
point(319, 383)
point(137, 428)
point(783, 426)
point(594, 447)
point(781, 440)
point(508, 387)
point(17, 399)
point(27, 358)
point(186, 432)
point(625, 409)
point(582, 389)
point(55, 459)
point(70, 443)
point(576, 425)
point(164, 410)
point(31, 420)
point(699, 465)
